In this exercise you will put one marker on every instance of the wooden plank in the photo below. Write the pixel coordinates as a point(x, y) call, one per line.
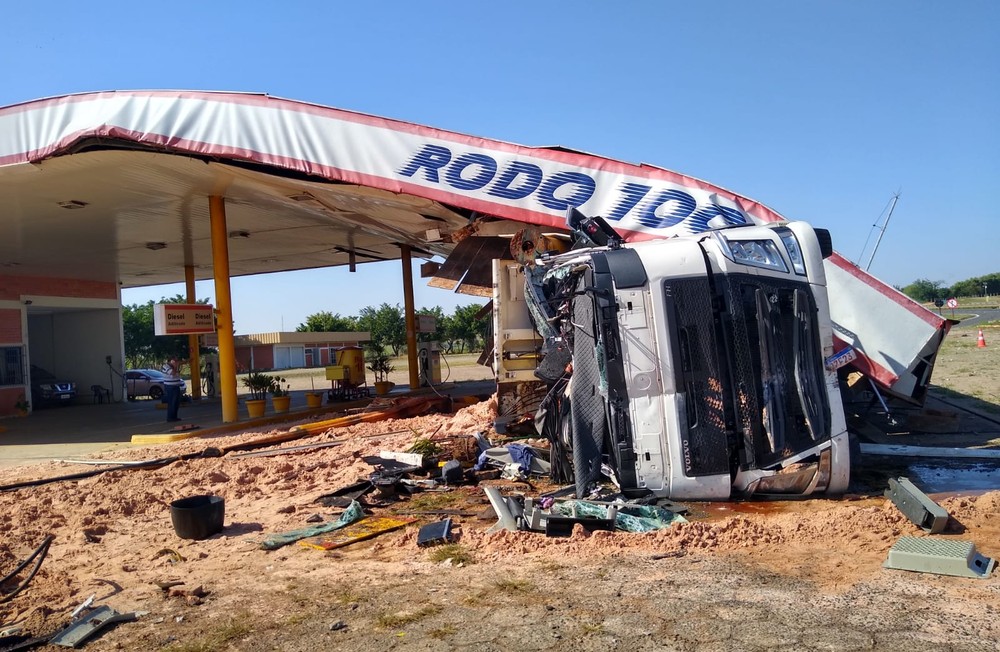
point(478, 280)
point(457, 264)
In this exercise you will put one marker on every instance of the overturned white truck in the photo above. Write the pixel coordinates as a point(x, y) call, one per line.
point(689, 367)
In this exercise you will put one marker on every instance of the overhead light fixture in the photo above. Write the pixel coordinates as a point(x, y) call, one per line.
point(156, 246)
point(72, 204)
point(239, 234)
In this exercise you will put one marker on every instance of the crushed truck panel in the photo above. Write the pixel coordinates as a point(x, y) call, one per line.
point(896, 339)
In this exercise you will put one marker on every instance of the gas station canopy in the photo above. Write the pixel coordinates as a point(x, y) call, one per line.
point(113, 187)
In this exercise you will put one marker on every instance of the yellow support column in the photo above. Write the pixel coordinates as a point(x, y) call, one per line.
point(223, 309)
point(193, 347)
point(411, 320)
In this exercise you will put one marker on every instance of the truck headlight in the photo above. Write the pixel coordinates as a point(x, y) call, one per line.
point(759, 253)
point(794, 252)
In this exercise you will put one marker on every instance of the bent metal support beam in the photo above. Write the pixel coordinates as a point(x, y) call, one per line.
point(223, 309)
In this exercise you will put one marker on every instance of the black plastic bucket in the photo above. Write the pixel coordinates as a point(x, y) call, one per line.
point(198, 517)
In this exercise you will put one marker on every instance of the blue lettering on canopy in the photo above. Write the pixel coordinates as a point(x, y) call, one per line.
point(666, 209)
point(528, 175)
point(632, 193)
point(584, 191)
point(453, 175)
point(637, 202)
point(431, 157)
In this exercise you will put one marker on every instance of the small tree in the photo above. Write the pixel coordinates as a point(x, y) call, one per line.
point(380, 364)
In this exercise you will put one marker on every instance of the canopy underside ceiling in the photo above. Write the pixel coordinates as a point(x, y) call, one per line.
point(134, 201)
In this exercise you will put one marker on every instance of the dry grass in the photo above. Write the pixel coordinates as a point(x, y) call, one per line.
point(399, 619)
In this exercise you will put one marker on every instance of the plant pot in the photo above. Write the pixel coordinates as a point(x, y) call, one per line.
point(314, 399)
point(255, 408)
point(198, 517)
point(382, 387)
point(281, 403)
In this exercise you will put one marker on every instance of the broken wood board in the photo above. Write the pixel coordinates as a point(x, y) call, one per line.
point(366, 528)
point(164, 438)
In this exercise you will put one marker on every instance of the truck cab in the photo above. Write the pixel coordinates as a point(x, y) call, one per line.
point(690, 367)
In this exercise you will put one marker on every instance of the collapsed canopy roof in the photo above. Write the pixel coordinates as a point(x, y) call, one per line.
point(113, 186)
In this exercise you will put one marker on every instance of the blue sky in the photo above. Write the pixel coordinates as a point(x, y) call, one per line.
point(820, 110)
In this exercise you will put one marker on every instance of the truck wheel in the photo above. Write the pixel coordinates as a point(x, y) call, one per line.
point(155, 392)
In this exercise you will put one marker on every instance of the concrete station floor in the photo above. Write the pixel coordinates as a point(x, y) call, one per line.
point(86, 428)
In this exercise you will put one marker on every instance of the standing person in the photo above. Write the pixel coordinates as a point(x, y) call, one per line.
point(172, 387)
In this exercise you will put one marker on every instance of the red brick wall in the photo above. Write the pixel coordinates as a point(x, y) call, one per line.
point(10, 326)
point(12, 287)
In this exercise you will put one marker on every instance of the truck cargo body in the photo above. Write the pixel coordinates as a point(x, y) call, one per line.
point(695, 364)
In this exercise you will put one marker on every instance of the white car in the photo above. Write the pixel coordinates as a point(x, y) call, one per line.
point(146, 382)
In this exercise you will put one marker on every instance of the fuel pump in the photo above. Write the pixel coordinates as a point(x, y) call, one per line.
point(209, 373)
point(429, 359)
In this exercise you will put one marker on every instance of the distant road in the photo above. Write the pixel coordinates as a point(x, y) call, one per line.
point(983, 315)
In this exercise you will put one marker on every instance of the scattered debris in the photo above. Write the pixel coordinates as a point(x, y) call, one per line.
point(939, 556)
point(175, 557)
point(337, 626)
point(528, 458)
point(351, 514)
point(409, 459)
point(917, 506)
point(366, 528)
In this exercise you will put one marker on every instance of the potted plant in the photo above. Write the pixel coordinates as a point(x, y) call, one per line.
point(259, 385)
point(22, 406)
point(279, 395)
point(380, 364)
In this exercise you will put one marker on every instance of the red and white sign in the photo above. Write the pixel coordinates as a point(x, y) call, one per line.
point(183, 318)
point(952, 303)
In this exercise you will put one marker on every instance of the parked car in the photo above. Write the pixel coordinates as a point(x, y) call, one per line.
point(49, 389)
point(146, 382)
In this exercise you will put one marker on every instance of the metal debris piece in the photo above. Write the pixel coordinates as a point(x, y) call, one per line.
point(917, 506)
point(505, 518)
point(83, 605)
point(434, 534)
point(939, 556)
point(95, 621)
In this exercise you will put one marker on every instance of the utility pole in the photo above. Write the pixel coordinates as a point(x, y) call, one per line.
point(881, 232)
